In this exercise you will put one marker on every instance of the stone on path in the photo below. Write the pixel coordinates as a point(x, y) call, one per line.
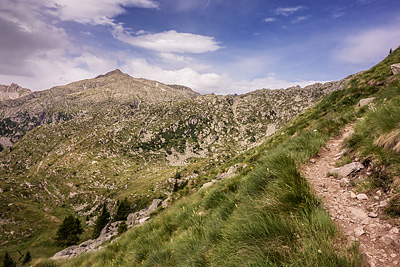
point(359, 231)
point(347, 169)
point(362, 197)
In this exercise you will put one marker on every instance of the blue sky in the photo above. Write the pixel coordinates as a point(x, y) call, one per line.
point(212, 46)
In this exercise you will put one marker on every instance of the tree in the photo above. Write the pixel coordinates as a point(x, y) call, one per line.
point(390, 51)
point(69, 231)
point(101, 221)
point(122, 227)
point(8, 261)
point(123, 210)
point(27, 258)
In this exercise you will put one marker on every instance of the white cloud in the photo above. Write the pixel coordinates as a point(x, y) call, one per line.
point(268, 82)
point(168, 41)
point(200, 82)
point(269, 19)
point(299, 19)
point(96, 11)
point(368, 46)
point(286, 11)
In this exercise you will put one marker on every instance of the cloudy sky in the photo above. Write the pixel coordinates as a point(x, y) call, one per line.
point(220, 46)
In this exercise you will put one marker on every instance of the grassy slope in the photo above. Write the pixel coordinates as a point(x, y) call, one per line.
point(70, 167)
point(267, 214)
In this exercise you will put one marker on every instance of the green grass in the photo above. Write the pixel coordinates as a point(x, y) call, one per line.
point(267, 215)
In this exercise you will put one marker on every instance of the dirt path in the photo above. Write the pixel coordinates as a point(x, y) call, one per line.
point(358, 218)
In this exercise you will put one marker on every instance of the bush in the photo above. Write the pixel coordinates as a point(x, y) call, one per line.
point(122, 227)
point(8, 261)
point(123, 210)
point(69, 231)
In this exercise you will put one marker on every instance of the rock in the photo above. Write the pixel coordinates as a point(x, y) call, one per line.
point(362, 197)
point(359, 231)
point(131, 220)
point(372, 215)
point(394, 230)
point(358, 213)
point(166, 202)
point(348, 169)
point(313, 161)
point(143, 220)
point(387, 240)
point(352, 195)
point(206, 185)
point(395, 68)
point(383, 204)
point(229, 173)
point(154, 205)
point(344, 182)
point(365, 101)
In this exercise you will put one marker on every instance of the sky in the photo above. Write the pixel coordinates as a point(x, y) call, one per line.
point(212, 46)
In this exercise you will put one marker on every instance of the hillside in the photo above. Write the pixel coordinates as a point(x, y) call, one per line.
point(106, 149)
point(267, 213)
point(71, 148)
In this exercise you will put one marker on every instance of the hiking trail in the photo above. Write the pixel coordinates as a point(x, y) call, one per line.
point(358, 216)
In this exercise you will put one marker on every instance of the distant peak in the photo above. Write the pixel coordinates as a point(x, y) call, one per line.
point(111, 73)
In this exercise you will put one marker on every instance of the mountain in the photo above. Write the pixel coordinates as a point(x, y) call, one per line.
point(71, 148)
point(257, 209)
point(13, 91)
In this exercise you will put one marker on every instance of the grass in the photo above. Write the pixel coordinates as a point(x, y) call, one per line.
point(267, 215)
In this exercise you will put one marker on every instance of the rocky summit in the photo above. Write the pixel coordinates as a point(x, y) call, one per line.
point(71, 148)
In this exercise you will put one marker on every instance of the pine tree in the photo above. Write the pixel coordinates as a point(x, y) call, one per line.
point(8, 261)
point(390, 51)
point(123, 210)
point(69, 231)
point(101, 221)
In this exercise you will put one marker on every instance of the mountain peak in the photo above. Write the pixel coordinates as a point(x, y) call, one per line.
point(111, 73)
point(12, 91)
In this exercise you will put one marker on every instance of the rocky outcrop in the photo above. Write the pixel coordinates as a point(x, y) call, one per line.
point(13, 91)
point(395, 68)
point(108, 232)
point(347, 170)
point(365, 101)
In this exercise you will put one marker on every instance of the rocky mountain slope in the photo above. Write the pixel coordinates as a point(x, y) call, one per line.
point(13, 91)
point(73, 147)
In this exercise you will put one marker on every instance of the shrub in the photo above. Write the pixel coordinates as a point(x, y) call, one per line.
point(8, 261)
point(122, 227)
point(123, 210)
point(69, 231)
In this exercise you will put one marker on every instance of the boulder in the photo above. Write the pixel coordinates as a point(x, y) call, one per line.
point(348, 169)
point(131, 220)
point(365, 101)
point(206, 185)
point(395, 68)
point(154, 205)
